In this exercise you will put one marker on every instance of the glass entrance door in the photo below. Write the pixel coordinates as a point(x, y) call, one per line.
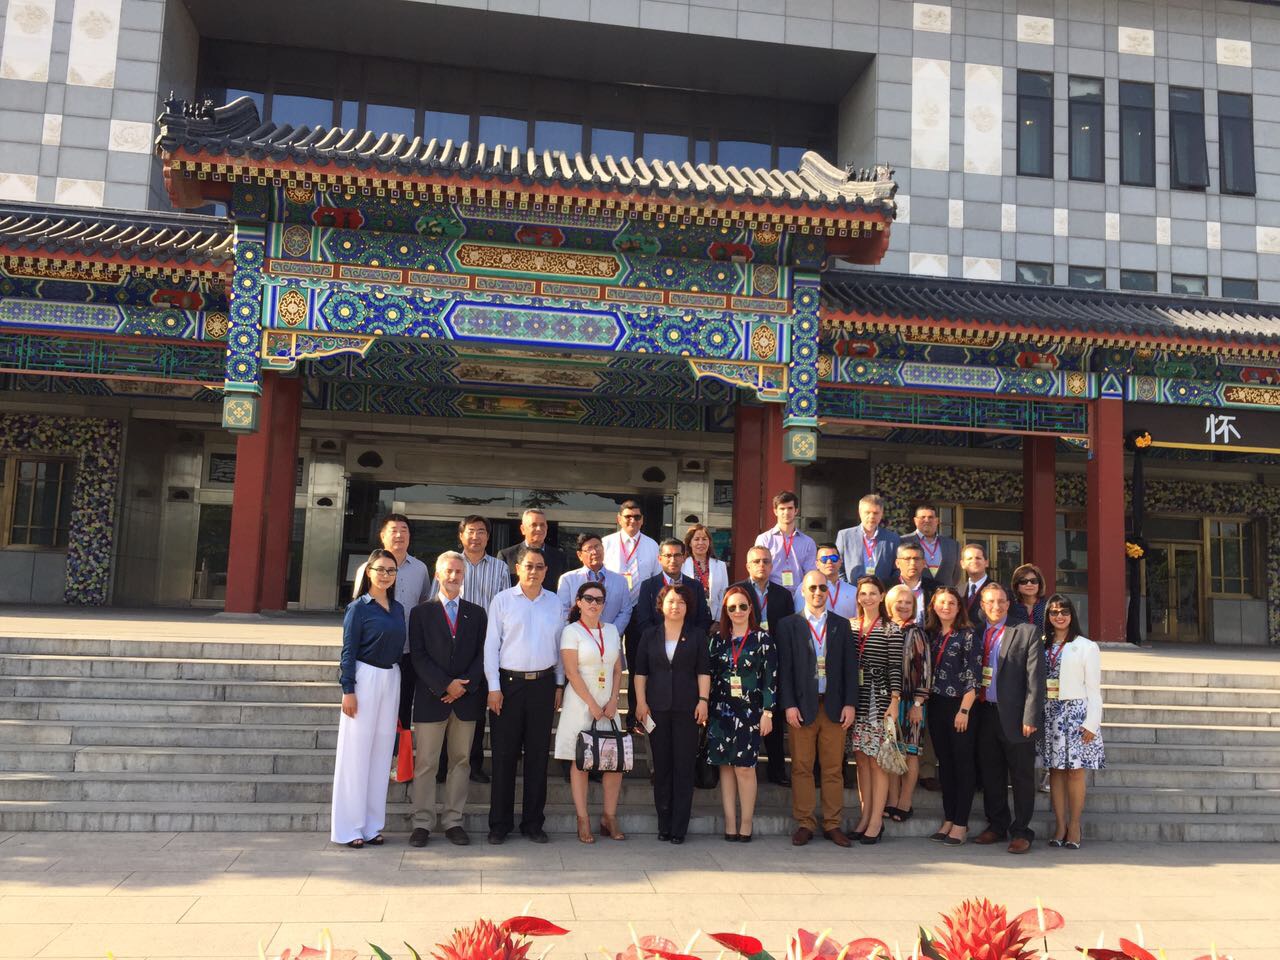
point(1173, 592)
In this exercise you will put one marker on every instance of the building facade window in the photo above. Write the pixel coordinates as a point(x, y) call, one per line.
point(1085, 128)
point(1188, 159)
point(1235, 144)
point(1087, 278)
point(38, 505)
point(1037, 273)
point(1137, 134)
point(1231, 557)
point(1188, 285)
point(1143, 281)
point(1236, 288)
point(1035, 124)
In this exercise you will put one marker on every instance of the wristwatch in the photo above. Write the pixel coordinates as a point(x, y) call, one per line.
point(704, 699)
point(964, 710)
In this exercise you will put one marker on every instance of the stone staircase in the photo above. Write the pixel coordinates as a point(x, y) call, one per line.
point(183, 735)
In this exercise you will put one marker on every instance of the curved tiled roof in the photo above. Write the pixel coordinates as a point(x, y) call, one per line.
point(161, 237)
point(235, 131)
point(1022, 307)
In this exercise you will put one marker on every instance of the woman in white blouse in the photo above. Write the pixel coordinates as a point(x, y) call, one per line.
point(700, 562)
point(1072, 738)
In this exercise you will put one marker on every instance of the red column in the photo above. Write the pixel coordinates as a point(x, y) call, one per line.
point(1105, 512)
point(252, 573)
point(758, 473)
point(1039, 518)
point(286, 412)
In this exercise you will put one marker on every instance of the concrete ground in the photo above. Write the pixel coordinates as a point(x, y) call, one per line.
point(221, 895)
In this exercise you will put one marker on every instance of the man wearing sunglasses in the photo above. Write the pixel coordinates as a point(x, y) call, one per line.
point(629, 552)
point(842, 598)
point(817, 688)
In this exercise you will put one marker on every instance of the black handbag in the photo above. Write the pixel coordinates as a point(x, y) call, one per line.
point(606, 751)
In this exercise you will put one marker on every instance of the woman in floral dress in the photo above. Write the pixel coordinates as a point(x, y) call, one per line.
point(744, 686)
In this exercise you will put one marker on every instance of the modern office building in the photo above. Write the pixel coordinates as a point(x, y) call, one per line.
point(270, 270)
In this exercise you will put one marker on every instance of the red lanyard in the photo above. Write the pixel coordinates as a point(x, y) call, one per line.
point(819, 639)
point(931, 556)
point(786, 542)
point(599, 643)
point(862, 645)
point(946, 639)
point(835, 594)
point(869, 545)
point(736, 651)
point(626, 557)
point(989, 641)
point(703, 572)
point(1053, 660)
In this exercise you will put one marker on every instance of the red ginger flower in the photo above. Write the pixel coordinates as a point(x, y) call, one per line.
point(483, 940)
point(981, 930)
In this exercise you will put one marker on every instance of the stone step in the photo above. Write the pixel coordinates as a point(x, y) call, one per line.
point(172, 648)
point(159, 668)
point(1149, 776)
point(255, 691)
point(1169, 678)
point(170, 734)
point(1120, 753)
point(1179, 696)
point(1259, 717)
point(170, 711)
point(1164, 733)
point(640, 825)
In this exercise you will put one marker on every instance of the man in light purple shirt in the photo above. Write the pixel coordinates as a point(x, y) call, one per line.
point(794, 552)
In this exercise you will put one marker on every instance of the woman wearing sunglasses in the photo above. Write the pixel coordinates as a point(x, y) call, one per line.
point(1072, 740)
point(1026, 593)
point(744, 686)
point(590, 649)
point(373, 640)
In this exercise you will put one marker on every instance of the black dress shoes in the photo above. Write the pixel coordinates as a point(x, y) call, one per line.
point(781, 779)
point(664, 836)
point(677, 839)
point(479, 776)
point(497, 836)
point(457, 836)
point(419, 837)
point(537, 836)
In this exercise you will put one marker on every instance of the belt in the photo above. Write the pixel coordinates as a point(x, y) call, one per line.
point(530, 675)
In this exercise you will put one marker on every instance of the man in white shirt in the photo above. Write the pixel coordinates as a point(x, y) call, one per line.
point(629, 552)
point(525, 676)
point(842, 598)
point(973, 561)
point(793, 551)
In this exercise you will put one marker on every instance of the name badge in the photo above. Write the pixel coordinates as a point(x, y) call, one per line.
point(601, 680)
point(764, 625)
point(822, 668)
point(1052, 686)
point(628, 576)
point(735, 687)
point(933, 571)
point(862, 677)
point(788, 578)
point(986, 676)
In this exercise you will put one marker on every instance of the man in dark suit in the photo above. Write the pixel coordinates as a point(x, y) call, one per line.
point(772, 602)
point(1010, 709)
point(446, 643)
point(941, 554)
point(817, 688)
point(645, 613)
point(973, 561)
point(910, 572)
point(533, 527)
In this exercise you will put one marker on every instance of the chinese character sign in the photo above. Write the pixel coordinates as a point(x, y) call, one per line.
point(1221, 428)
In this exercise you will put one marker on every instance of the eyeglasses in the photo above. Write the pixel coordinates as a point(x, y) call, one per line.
point(631, 516)
point(738, 607)
point(1059, 613)
point(591, 598)
point(1024, 580)
point(533, 566)
point(817, 588)
point(384, 571)
point(829, 558)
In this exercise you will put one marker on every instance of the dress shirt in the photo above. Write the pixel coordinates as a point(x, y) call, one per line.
point(414, 585)
point(762, 601)
point(972, 588)
point(842, 598)
point(482, 581)
point(799, 559)
point(618, 601)
point(641, 564)
point(993, 661)
point(918, 590)
point(372, 635)
point(523, 636)
point(818, 628)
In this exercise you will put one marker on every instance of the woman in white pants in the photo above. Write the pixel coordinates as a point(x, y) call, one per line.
point(373, 636)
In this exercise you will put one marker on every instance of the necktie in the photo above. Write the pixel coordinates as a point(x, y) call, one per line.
point(452, 607)
point(972, 588)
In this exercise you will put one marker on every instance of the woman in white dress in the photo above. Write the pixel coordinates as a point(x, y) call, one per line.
point(590, 650)
point(701, 562)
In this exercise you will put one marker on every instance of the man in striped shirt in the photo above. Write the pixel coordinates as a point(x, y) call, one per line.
point(483, 578)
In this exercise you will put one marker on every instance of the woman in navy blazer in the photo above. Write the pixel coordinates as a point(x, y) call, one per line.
point(673, 685)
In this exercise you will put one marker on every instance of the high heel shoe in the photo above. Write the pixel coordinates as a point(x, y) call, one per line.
point(609, 828)
point(584, 830)
point(869, 841)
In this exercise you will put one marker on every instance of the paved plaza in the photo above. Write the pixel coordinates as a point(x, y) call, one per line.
point(220, 895)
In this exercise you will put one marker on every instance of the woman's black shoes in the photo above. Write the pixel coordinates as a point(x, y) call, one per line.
point(731, 838)
point(744, 838)
point(677, 839)
point(938, 837)
point(869, 841)
point(664, 837)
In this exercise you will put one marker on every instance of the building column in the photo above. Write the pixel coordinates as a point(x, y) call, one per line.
point(1039, 506)
point(255, 571)
point(286, 417)
point(759, 472)
point(1105, 514)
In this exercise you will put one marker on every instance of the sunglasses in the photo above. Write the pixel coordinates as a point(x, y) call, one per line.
point(817, 588)
point(1059, 613)
point(1024, 580)
point(829, 558)
point(738, 607)
point(591, 598)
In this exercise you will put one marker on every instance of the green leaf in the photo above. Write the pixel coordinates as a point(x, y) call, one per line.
point(927, 949)
point(412, 951)
point(382, 954)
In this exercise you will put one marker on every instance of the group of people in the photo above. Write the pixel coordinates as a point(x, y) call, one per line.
point(875, 647)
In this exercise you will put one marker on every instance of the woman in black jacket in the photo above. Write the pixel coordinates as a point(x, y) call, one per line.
point(672, 675)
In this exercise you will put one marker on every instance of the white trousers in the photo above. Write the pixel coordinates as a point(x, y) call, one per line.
point(365, 744)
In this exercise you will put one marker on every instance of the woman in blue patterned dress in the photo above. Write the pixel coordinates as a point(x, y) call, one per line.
point(744, 686)
point(1072, 738)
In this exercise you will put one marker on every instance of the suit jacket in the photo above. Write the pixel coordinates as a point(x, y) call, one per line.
point(555, 564)
point(1019, 677)
point(439, 658)
point(975, 605)
point(926, 581)
point(617, 596)
point(672, 684)
point(949, 567)
point(798, 667)
point(779, 602)
point(645, 613)
point(852, 547)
